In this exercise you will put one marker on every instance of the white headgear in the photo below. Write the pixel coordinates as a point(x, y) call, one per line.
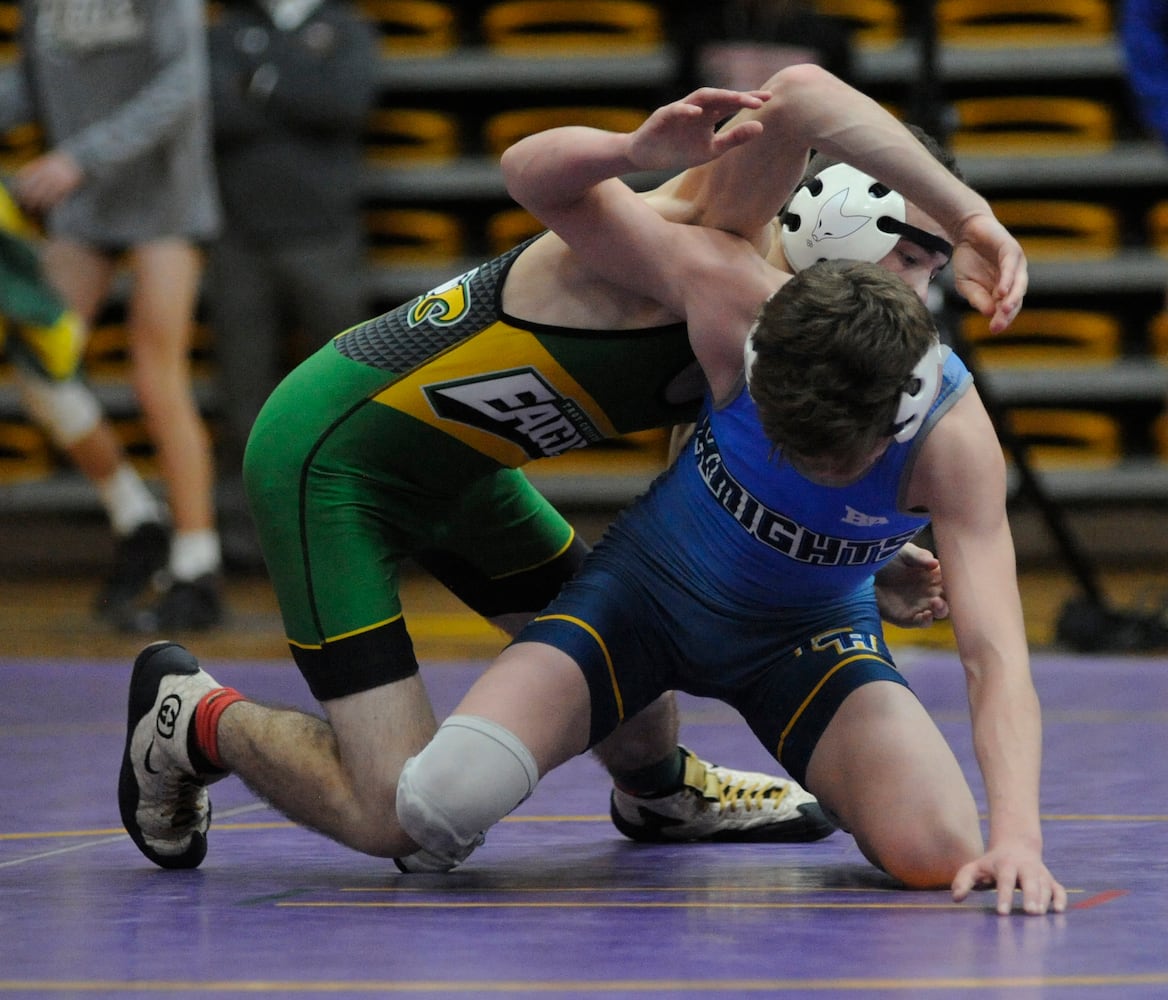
point(749, 354)
point(919, 393)
point(841, 214)
point(845, 214)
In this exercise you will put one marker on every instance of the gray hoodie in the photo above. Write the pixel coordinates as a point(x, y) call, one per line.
point(121, 85)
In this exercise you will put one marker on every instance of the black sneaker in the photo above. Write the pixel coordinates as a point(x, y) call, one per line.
point(185, 605)
point(137, 557)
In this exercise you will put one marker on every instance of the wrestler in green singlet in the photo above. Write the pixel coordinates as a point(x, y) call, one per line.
point(402, 437)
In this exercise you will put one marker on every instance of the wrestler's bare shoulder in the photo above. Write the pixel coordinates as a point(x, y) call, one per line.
point(546, 284)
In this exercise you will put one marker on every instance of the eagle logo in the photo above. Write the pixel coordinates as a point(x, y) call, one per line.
point(444, 305)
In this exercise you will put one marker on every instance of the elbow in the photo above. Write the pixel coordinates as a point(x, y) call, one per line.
point(804, 98)
point(528, 169)
point(515, 163)
point(510, 164)
point(801, 85)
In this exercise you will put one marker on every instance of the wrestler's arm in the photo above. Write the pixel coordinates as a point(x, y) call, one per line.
point(960, 477)
point(568, 178)
point(742, 191)
point(553, 173)
point(809, 108)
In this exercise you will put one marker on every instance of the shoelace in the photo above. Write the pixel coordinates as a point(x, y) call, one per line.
point(187, 806)
point(741, 795)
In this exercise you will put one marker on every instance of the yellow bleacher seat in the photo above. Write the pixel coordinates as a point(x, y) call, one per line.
point(24, 452)
point(1022, 22)
point(137, 443)
point(510, 227)
point(507, 127)
point(413, 27)
point(202, 350)
point(1158, 226)
point(1048, 227)
point(1160, 436)
point(1046, 337)
point(18, 145)
point(407, 235)
point(10, 19)
point(1064, 437)
point(556, 27)
point(396, 135)
point(1031, 125)
point(1158, 335)
point(107, 351)
point(873, 22)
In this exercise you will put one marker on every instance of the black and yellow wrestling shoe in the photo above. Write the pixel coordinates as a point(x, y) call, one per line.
point(724, 805)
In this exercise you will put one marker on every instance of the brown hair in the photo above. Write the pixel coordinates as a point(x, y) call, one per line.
point(835, 347)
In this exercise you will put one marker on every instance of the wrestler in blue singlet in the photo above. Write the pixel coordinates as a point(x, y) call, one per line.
point(747, 583)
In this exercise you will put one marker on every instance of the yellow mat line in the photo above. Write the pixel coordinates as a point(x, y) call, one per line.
point(678, 987)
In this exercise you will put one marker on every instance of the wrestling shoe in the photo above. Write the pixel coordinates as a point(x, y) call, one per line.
point(137, 557)
point(720, 804)
point(185, 605)
point(162, 797)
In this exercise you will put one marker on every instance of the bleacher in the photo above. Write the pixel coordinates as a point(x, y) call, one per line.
point(1041, 119)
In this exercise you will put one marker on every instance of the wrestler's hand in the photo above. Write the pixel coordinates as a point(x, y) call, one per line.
point(989, 268)
point(909, 590)
point(1007, 867)
point(681, 134)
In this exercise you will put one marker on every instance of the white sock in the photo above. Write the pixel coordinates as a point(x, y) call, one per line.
point(194, 554)
point(127, 500)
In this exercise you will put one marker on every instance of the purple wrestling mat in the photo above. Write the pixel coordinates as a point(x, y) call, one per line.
point(557, 903)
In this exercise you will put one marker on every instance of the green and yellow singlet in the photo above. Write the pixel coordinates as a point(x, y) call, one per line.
point(515, 390)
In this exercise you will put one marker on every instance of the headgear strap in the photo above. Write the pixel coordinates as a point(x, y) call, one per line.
point(925, 240)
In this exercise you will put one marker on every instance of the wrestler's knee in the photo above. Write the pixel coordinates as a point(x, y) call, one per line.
point(471, 775)
point(924, 853)
point(67, 411)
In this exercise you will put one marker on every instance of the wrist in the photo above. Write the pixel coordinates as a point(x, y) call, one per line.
point(975, 208)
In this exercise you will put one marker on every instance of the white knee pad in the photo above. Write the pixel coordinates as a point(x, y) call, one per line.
point(470, 775)
point(66, 411)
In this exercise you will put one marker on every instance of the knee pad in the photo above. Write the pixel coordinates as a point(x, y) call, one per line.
point(470, 775)
point(67, 411)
